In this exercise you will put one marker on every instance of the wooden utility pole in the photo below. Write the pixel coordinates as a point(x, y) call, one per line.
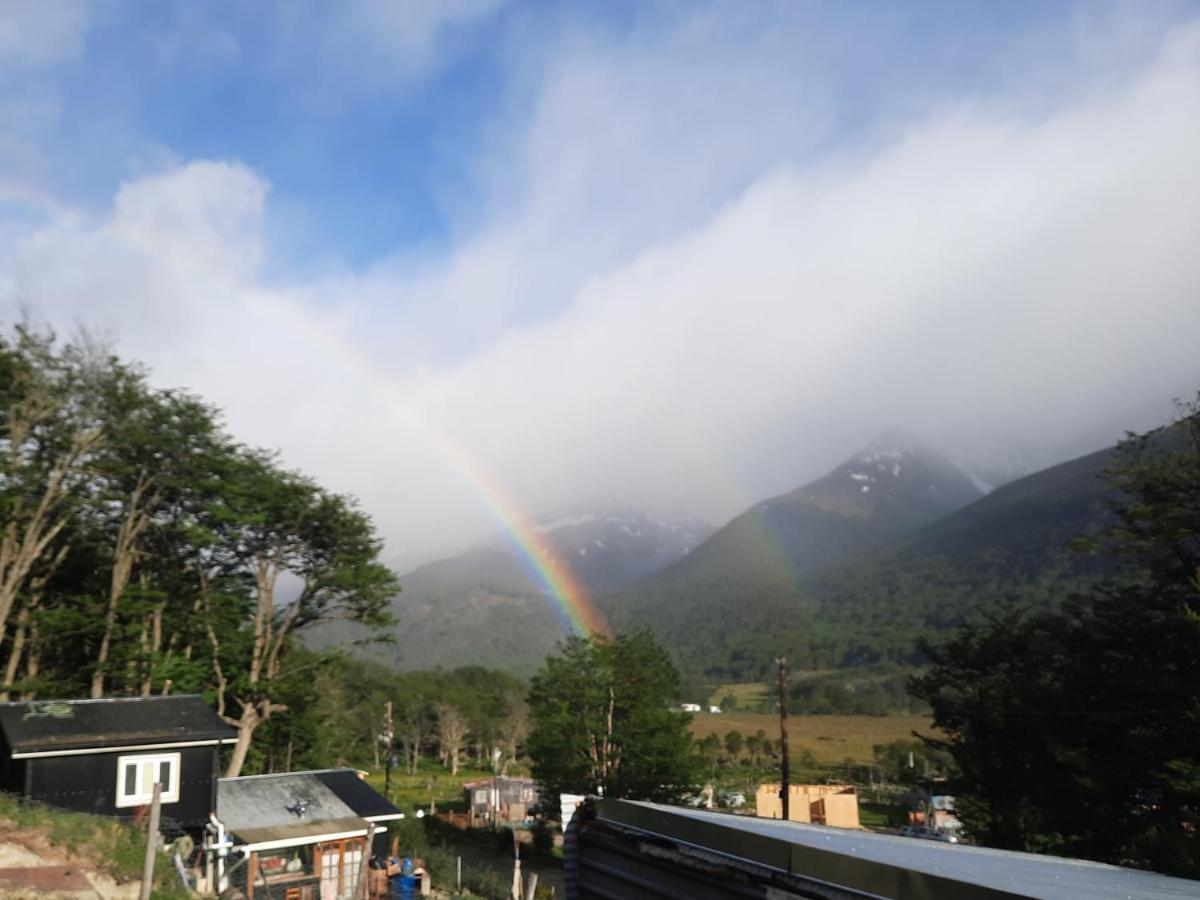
point(151, 844)
point(387, 765)
point(783, 735)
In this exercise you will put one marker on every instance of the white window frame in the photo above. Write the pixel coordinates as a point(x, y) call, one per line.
point(170, 792)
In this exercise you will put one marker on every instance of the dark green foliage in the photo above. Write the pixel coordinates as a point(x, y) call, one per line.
point(410, 835)
point(1076, 730)
point(864, 691)
point(911, 761)
point(602, 721)
point(141, 547)
point(734, 743)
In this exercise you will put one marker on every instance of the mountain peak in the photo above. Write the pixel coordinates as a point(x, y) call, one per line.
point(897, 480)
point(895, 439)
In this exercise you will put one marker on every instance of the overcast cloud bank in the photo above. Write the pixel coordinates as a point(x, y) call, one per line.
point(678, 298)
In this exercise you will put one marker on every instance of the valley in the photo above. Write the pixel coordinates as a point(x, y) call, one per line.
point(832, 739)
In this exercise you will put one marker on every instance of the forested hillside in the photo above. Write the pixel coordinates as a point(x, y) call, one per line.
point(858, 617)
point(145, 550)
point(729, 608)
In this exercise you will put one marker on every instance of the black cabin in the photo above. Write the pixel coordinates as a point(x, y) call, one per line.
point(104, 756)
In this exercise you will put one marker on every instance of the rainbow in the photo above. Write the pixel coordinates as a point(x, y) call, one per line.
point(578, 612)
point(576, 609)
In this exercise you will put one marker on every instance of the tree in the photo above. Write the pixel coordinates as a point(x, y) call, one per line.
point(411, 729)
point(709, 747)
point(513, 730)
point(1095, 704)
point(49, 428)
point(450, 729)
point(734, 743)
point(602, 721)
point(284, 523)
point(159, 445)
point(754, 746)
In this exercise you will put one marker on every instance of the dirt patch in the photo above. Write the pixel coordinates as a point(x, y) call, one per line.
point(31, 868)
point(12, 855)
point(29, 841)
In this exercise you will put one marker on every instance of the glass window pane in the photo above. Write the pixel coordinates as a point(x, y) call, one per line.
point(130, 779)
point(164, 774)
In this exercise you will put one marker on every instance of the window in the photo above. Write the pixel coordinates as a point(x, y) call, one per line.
point(136, 776)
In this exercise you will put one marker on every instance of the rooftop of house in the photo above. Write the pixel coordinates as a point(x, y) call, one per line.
point(263, 808)
point(41, 726)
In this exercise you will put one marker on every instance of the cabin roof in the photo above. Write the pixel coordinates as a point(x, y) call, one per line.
point(47, 726)
point(256, 808)
point(357, 794)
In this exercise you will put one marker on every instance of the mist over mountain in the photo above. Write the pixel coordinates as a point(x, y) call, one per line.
point(891, 487)
point(488, 606)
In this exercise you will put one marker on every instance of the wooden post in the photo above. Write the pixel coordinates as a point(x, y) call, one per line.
point(516, 882)
point(387, 778)
point(784, 790)
point(360, 882)
point(531, 886)
point(151, 843)
point(458, 874)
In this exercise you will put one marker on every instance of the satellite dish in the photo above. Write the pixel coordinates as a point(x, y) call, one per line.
point(184, 846)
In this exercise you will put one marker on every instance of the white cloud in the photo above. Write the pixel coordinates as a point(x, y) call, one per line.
point(986, 278)
point(38, 33)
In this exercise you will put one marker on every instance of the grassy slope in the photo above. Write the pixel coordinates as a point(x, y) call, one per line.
point(410, 792)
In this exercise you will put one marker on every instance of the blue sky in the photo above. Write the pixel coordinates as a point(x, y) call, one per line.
point(368, 154)
point(616, 252)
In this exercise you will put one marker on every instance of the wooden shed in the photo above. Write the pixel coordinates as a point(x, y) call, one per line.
point(104, 756)
point(297, 836)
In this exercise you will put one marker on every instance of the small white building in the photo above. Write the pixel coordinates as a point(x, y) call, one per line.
point(690, 707)
point(715, 710)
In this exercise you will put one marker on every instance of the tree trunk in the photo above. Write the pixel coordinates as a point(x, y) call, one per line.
point(35, 660)
point(155, 647)
point(124, 555)
point(245, 725)
point(17, 651)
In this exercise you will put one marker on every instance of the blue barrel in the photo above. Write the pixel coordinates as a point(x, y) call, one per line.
point(403, 887)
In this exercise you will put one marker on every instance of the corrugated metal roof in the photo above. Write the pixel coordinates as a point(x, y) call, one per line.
point(262, 802)
point(865, 861)
point(49, 725)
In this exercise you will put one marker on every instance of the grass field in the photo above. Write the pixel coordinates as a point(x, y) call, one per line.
point(746, 695)
point(432, 781)
point(831, 739)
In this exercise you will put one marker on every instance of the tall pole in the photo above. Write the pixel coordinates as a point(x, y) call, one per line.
point(387, 766)
point(151, 843)
point(783, 735)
